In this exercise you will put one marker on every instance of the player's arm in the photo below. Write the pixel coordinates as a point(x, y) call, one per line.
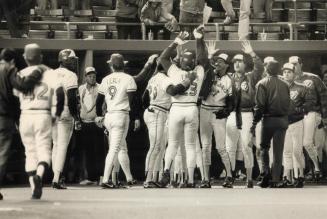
point(146, 99)
point(258, 69)
point(180, 88)
point(260, 100)
point(27, 83)
point(135, 112)
point(322, 92)
point(60, 95)
point(147, 70)
point(168, 53)
point(309, 101)
point(201, 49)
point(98, 104)
point(73, 103)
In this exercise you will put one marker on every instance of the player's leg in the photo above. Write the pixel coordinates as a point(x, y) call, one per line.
point(199, 159)
point(206, 140)
point(54, 144)
point(116, 124)
point(190, 134)
point(258, 130)
point(309, 127)
point(125, 162)
point(298, 157)
point(64, 133)
point(244, 19)
point(232, 138)
point(288, 153)
point(247, 144)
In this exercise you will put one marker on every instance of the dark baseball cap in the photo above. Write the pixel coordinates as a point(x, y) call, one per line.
point(66, 54)
point(117, 61)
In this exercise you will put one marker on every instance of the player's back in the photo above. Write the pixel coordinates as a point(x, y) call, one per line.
point(157, 87)
point(115, 88)
point(191, 95)
point(40, 97)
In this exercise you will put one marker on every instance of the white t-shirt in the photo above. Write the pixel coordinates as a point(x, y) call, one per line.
point(41, 96)
point(157, 87)
point(190, 96)
point(68, 80)
point(115, 88)
point(221, 88)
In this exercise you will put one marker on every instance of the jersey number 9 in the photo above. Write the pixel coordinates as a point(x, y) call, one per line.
point(112, 90)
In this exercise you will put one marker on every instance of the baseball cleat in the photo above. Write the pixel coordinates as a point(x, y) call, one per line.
point(249, 184)
point(182, 185)
point(205, 184)
point(228, 183)
point(165, 179)
point(264, 183)
point(287, 183)
point(108, 185)
point(37, 191)
point(190, 185)
point(317, 175)
point(299, 182)
point(150, 185)
point(132, 182)
point(56, 185)
point(1, 196)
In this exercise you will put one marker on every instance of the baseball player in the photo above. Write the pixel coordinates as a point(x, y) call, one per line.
point(316, 115)
point(62, 128)
point(302, 99)
point(183, 117)
point(117, 89)
point(239, 122)
point(215, 108)
point(35, 119)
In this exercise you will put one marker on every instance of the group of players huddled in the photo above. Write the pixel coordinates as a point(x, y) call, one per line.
point(189, 97)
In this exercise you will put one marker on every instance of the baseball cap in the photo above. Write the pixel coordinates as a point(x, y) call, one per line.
point(32, 51)
point(268, 59)
point(89, 70)
point(239, 57)
point(294, 59)
point(65, 54)
point(223, 56)
point(117, 60)
point(288, 66)
point(273, 67)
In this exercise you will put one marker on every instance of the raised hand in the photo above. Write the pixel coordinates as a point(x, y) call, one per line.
point(211, 46)
point(246, 47)
point(181, 38)
point(152, 58)
point(198, 32)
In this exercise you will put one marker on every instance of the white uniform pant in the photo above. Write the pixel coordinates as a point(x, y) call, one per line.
point(209, 125)
point(244, 136)
point(117, 125)
point(310, 125)
point(182, 120)
point(62, 131)
point(156, 122)
point(293, 147)
point(321, 142)
point(36, 137)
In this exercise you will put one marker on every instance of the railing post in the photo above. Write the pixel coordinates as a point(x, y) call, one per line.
point(143, 31)
point(217, 31)
point(295, 11)
point(291, 31)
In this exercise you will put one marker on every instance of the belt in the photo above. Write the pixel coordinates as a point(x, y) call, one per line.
point(152, 107)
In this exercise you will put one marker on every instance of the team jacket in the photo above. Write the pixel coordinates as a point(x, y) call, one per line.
point(245, 86)
point(319, 90)
point(302, 100)
point(272, 98)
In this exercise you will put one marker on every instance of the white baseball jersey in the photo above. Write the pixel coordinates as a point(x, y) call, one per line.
point(41, 97)
point(157, 87)
point(221, 88)
point(115, 88)
point(68, 80)
point(191, 95)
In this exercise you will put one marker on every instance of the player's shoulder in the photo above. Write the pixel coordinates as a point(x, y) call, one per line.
point(28, 70)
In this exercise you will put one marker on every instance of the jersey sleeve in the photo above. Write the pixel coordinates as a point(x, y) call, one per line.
point(71, 82)
point(172, 69)
point(200, 72)
point(102, 87)
point(131, 85)
point(166, 82)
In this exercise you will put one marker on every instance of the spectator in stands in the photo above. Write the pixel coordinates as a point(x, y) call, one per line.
point(127, 12)
point(191, 11)
point(8, 9)
point(89, 133)
point(44, 4)
point(153, 13)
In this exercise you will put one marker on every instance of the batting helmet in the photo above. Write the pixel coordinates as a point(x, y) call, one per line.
point(68, 59)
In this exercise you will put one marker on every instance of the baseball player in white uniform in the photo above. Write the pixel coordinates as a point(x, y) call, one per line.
point(117, 89)
point(317, 113)
point(35, 119)
point(183, 117)
point(62, 128)
point(239, 122)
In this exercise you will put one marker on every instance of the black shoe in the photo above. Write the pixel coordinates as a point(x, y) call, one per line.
point(205, 184)
point(1, 196)
point(109, 185)
point(165, 179)
point(37, 191)
point(132, 182)
point(299, 183)
point(190, 185)
point(317, 175)
point(228, 183)
point(249, 184)
point(264, 183)
point(56, 185)
point(182, 185)
point(150, 185)
point(287, 183)
point(276, 185)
